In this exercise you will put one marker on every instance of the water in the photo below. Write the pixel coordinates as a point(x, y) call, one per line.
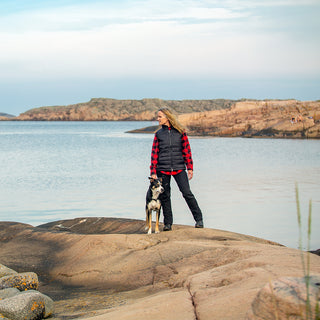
point(62, 170)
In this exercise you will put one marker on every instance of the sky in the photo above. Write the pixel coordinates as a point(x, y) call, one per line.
point(62, 52)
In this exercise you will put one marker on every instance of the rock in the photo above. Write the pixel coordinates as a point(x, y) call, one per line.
point(21, 281)
point(166, 305)
point(317, 252)
point(5, 271)
point(270, 118)
point(110, 267)
point(104, 109)
point(29, 305)
point(96, 226)
point(286, 298)
point(18, 300)
point(150, 129)
point(8, 293)
point(48, 302)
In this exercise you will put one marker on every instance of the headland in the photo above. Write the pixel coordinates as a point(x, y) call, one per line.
point(216, 117)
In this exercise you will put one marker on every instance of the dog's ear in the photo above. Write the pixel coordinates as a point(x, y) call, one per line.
point(151, 179)
point(160, 179)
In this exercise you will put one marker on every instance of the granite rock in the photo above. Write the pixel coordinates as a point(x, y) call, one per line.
point(8, 293)
point(5, 271)
point(18, 300)
point(286, 298)
point(103, 268)
point(26, 306)
point(270, 118)
point(21, 281)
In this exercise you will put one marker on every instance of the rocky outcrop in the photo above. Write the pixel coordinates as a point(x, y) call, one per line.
point(108, 268)
point(19, 299)
point(272, 118)
point(6, 116)
point(103, 109)
point(217, 117)
point(287, 298)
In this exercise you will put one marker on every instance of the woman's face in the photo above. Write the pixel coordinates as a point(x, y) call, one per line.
point(163, 120)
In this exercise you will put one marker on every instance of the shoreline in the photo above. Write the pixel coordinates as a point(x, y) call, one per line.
point(288, 119)
point(107, 268)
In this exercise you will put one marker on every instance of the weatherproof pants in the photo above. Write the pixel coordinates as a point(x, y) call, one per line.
point(165, 198)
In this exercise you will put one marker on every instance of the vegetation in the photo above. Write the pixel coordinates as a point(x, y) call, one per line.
point(310, 314)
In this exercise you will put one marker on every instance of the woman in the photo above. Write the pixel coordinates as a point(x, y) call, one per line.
point(170, 156)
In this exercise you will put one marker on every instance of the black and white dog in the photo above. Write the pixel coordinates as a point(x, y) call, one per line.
point(153, 203)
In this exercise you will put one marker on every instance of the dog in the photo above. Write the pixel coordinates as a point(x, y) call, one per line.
point(153, 203)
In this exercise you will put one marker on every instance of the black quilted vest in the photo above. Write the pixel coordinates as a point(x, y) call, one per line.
point(170, 150)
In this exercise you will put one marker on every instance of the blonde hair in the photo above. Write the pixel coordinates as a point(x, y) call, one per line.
point(174, 122)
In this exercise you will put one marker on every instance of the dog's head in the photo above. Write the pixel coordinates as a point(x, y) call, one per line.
point(156, 185)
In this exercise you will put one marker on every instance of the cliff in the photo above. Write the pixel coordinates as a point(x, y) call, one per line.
point(272, 118)
point(103, 109)
point(109, 268)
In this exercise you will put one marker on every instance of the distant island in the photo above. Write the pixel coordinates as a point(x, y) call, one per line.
point(215, 117)
point(6, 116)
point(105, 109)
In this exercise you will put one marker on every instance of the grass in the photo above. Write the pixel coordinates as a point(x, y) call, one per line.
point(310, 315)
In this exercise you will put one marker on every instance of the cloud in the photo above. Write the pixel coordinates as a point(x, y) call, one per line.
point(152, 39)
point(96, 15)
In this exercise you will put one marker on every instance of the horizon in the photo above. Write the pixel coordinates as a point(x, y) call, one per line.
point(64, 52)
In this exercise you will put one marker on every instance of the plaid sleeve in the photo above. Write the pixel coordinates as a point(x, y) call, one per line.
point(186, 151)
point(154, 155)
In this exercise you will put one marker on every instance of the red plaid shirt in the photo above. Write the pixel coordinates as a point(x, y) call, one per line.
point(186, 153)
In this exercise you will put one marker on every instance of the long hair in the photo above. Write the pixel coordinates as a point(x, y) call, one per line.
point(174, 122)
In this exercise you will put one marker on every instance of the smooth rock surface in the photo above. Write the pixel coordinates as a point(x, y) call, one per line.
point(109, 268)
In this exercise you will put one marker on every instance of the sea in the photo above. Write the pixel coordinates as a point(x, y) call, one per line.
point(51, 171)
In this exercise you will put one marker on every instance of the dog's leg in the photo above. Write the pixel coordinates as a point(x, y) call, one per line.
point(157, 221)
point(150, 221)
point(147, 219)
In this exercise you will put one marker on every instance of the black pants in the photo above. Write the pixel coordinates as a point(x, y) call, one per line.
point(165, 198)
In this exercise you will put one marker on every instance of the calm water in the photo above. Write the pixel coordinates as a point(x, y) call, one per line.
point(61, 170)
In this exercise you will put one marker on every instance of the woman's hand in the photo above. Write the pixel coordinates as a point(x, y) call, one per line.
point(154, 176)
point(190, 174)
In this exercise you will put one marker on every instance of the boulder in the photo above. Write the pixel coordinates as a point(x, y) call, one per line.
point(18, 300)
point(21, 281)
point(48, 302)
point(8, 293)
point(26, 306)
point(286, 298)
point(5, 271)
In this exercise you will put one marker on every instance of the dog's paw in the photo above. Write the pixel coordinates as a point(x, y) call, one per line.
point(149, 231)
point(157, 231)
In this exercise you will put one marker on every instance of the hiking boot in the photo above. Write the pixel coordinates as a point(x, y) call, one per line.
point(167, 227)
point(199, 224)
